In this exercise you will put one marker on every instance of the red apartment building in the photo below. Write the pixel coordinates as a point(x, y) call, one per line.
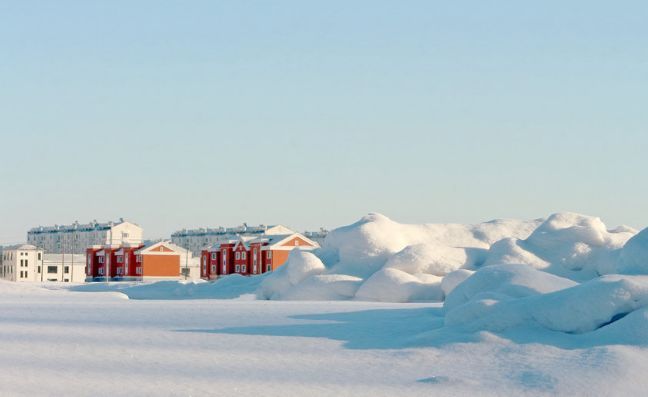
point(248, 255)
point(160, 260)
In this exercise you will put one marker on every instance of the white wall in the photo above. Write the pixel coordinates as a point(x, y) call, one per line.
point(20, 263)
point(54, 266)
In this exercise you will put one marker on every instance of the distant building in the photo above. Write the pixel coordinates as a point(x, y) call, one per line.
point(21, 263)
point(158, 261)
point(75, 238)
point(249, 255)
point(195, 240)
point(318, 236)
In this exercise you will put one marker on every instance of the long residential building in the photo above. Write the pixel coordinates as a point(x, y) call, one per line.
point(250, 255)
point(75, 238)
point(195, 240)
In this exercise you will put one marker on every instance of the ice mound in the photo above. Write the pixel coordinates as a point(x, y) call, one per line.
point(634, 255)
point(364, 247)
point(299, 266)
point(437, 260)
point(452, 279)
point(567, 244)
point(393, 285)
point(504, 282)
point(579, 309)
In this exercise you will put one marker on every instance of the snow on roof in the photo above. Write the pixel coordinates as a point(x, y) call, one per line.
point(273, 238)
point(233, 231)
point(94, 225)
point(149, 246)
point(22, 247)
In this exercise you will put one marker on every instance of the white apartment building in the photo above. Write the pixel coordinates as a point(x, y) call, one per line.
point(63, 268)
point(317, 236)
point(21, 263)
point(195, 240)
point(75, 238)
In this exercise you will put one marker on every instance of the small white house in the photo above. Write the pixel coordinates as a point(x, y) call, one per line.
point(63, 268)
point(21, 263)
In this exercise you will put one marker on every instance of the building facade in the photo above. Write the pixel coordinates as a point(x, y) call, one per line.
point(63, 268)
point(248, 255)
point(21, 263)
point(162, 260)
point(75, 238)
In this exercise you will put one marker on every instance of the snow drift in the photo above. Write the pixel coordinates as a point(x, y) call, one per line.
point(576, 309)
point(567, 244)
point(299, 279)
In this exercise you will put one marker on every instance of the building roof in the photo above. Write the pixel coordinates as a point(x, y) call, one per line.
point(152, 246)
point(76, 226)
point(21, 247)
point(271, 240)
point(278, 239)
point(233, 231)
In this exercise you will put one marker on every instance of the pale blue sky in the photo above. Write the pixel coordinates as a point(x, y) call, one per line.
point(188, 113)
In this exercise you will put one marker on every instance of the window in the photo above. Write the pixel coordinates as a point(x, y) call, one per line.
point(296, 242)
point(238, 255)
point(52, 269)
point(100, 259)
point(39, 269)
point(120, 259)
point(67, 269)
point(238, 269)
point(268, 254)
point(39, 256)
point(243, 269)
point(243, 255)
point(224, 269)
point(213, 268)
point(22, 263)
point(268, 268)
point(213, 256)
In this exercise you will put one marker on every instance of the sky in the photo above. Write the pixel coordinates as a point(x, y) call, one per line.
point(311, 114)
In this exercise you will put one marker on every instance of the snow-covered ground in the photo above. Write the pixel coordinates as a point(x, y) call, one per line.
point(58, 342)
point(555, 306)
